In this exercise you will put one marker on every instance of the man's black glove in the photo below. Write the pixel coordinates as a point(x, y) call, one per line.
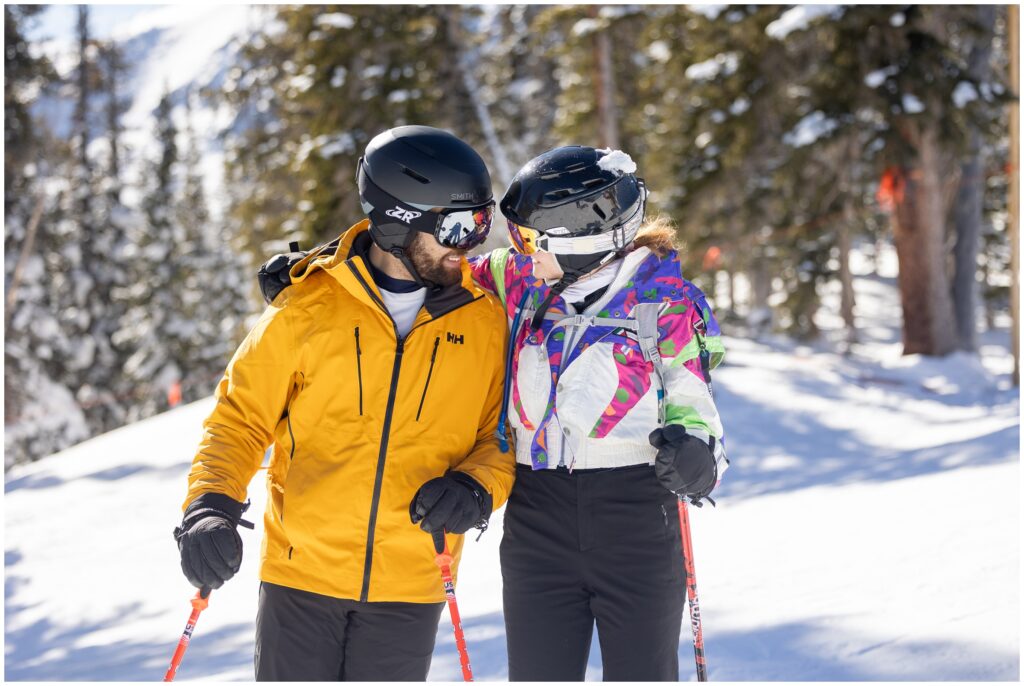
point(685, 464)
point(210, 547)
point(274, 274)
point(454, 503)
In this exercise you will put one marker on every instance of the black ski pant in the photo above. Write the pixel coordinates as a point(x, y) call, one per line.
point(593, 546)
point(302, 636)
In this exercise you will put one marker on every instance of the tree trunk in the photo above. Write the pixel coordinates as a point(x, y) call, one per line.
point(604, 86)
point(844, 241)
point(968, 212)
point(846, 299)
point(1013, 17)
point(759, 313)
point(80, 117)
point(967, 217)
point(929, 327)
point(114, 70)
point(919, 227)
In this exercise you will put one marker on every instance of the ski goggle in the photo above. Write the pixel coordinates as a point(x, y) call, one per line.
point(464, 229)
point(453, 227)
point(558, 241)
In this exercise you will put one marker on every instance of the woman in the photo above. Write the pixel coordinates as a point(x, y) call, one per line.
point(608, 393)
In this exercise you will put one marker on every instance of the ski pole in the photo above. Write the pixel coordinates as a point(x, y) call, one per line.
point(444, 561)
point(691, 591)
point(199, 603)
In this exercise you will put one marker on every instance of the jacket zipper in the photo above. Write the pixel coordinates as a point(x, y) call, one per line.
point(568, 345)
point(433, 356)
point(378, 480)
point(359, 371)
point(385, 432)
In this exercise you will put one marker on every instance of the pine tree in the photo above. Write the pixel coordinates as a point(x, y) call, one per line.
point(212, 282)
point(518, 83)
point(149, 326)
point(895, 76)
point(40, 413)
point(312, 96)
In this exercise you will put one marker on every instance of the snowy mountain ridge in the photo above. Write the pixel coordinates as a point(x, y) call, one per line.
point(174, 49)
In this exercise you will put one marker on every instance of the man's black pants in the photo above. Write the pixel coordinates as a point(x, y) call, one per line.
point(592, 546)
point(303, 636)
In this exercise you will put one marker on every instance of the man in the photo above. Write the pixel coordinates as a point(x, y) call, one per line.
point(358, 376)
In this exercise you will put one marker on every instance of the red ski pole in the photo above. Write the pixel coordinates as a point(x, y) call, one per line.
point(691, 591)
point(199, 604)
point(444, 561)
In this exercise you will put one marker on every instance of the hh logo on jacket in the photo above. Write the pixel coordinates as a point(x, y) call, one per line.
point(455, 338)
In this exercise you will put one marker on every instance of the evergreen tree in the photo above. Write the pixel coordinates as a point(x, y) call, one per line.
point(518, 82)
point(211, 284)
point(40, 413)
point(313, 95)
point(151, 326)
point(897, 71)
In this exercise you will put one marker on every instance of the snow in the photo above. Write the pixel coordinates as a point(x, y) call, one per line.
point(799, 18)
point(740, 105)
point(878, 77)
point(336, 20)
point(867, 530)
point(338, 77)
point(720, 65)
point(809, 129)
point(586, 26)
point(616, 161)
point(711, 11)
point(912, 104)
point(659, 51)
point(964, 93)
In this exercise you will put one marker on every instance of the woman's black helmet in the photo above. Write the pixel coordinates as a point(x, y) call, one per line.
point(418, 178)
point(580, 203)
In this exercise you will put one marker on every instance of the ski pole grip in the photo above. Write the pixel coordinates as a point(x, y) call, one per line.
point(438, 541)
point(204, 592)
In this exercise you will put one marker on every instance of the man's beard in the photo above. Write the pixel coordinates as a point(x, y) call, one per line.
point(433, 270)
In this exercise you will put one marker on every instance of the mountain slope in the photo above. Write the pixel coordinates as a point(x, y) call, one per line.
point(868, 529)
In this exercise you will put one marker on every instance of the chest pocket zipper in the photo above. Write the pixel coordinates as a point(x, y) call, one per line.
point(359, 371)
point(433, 357)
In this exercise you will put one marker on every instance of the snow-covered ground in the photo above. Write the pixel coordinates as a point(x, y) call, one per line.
point(868, 529)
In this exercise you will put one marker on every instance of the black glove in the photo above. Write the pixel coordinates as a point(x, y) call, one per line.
point(210, 547)
point(685, 464)
point(274, 274)
point(454, 503)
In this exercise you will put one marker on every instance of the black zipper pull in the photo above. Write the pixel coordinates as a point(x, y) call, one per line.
point(705, 361)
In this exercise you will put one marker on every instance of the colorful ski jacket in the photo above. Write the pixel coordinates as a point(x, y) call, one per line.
point(359, 420)
point(583, 394)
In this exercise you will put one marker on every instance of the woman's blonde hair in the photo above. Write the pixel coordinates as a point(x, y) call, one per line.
point(658, 234)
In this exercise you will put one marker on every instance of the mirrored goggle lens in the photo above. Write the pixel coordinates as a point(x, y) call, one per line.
point(465, 228)
point(524, 239)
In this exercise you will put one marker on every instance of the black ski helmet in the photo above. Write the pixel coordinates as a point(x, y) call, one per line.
point(411, 177)
point(575, 192)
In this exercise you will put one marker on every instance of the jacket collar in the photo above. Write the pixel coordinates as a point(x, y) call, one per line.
point(347, 260)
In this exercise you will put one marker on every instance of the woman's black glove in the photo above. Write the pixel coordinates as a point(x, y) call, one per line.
point(685, 464)
point(454, 503)
point(274, 274)
point(208, 540)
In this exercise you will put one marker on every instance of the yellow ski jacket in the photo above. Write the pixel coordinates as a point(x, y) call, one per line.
point(359, 420)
